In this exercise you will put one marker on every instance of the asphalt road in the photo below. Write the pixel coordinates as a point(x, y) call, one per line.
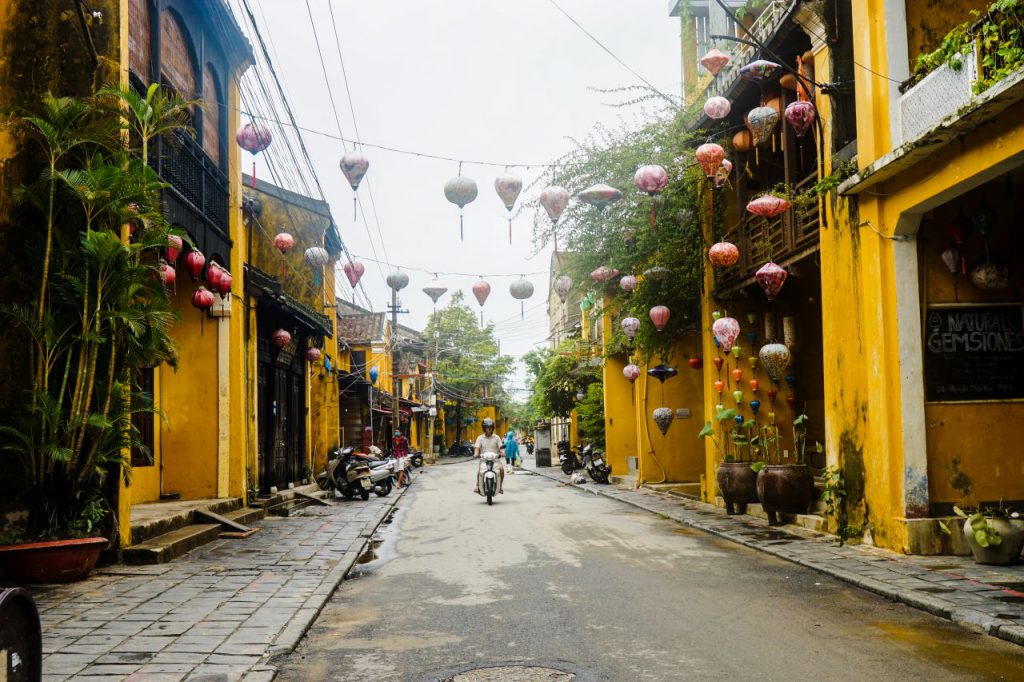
point(554, 578)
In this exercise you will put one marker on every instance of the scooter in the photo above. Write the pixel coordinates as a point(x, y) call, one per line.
point(488, 477)
point(529, 447)
point(416, 458)
point(382, 473)
point(567, 458)
point(595, 465)
point(347, 474)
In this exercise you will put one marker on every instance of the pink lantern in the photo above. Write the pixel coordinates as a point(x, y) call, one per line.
point(771, 278)
point(628, 283)
point(554, 199)
point(710, 157)
point(722, 176)
point(800, 116)
point(224, 286)
point(353, 272)
point(194, 262)
point(659, 316)
point(717, 107)
point(775, 357)
point(281, 338)
point(630, 326)
point(562, 286)
point(253, 138)
point(714, 61)
point(723, 254)
point(768, 206)
point(284, 242)
point(651, 179)
point(202, 298)
point(603, 274)
point(312, 354)
point(759, 70)
point(761, 122)
point(167, 274)
point(481, 290)
point(174, 245)
point(213, 275)
point(508, 188)
point(725, 331)
point(353, 167)
point(631, 372)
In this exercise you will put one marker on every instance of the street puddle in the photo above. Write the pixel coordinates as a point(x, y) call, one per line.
point(934, 590)
point(370, 553)
point(970, 654)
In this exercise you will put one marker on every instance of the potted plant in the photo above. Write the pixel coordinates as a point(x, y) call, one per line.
point(98, 314)
point(785, 488)
point(736, 479)
point(995, 535)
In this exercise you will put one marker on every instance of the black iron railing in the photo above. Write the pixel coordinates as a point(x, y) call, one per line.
point(194, 177)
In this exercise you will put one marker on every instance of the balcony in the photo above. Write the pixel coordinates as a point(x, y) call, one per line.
point(196, 182)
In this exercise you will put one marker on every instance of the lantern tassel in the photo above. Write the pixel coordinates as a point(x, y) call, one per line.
point(355, 207)
point(652, 216)
point(481, 317)
point(510, 229)
point(522, 310)
point(462, 236)
point(254, 172)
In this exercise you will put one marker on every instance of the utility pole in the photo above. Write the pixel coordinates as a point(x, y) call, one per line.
point(432, 401)
point(395, 381)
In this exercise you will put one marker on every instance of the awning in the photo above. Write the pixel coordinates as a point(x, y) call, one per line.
point(271, 292)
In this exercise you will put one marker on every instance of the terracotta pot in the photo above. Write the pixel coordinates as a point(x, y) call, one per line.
point(1005, 553)
point(738, 485)
point(785, 489)
point(57, 561)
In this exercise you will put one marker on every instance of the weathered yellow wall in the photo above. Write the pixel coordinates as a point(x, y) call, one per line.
point(620, 435)
point(928, 22)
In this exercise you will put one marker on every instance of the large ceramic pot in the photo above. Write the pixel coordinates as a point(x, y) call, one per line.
point(738, 484)
point(785, 489)
point(57, 561)
point(1006, 552)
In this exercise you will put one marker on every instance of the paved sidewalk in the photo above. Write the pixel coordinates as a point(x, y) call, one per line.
point(988, 599)
point(217, 613)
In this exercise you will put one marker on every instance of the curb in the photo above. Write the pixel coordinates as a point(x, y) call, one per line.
point(967, 618)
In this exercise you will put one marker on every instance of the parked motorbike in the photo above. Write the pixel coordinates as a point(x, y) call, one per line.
point(461, 449)
point(347, 474)
point(416, 457)
point(488, 477)
point(593, 462)
point(567, 458)
point(382, 473)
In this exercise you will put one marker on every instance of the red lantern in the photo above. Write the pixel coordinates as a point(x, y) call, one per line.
point(754, 385)
point(284, 242)
point(202, 298)
point(281, 338)
point(719, 385)
point(791, 401)
point(312, 354)
point(659, 316)
point(213, 275)
point(696, 363)
point(194, 262)
point(723, 255)
point(224, 285)
point(167, 274)
point(771, 278)
point(718, 363)
point(768, 206)
point(174, 244)
point(714, 61)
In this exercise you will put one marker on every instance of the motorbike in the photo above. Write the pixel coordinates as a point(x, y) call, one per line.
point(416, 458)
point(488, 476)
point(529, 447)
point(593, 462)
point(461, 449)
point(347, 474)
point(382, 473)
point(567, 458)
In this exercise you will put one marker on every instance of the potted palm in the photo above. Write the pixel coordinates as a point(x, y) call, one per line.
point(98, 313)
point(995, 535)
point(736, 478)
point(785, 488)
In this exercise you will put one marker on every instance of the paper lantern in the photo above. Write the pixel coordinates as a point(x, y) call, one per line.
point(521, 290)
point(481, 290)
point(719, 386)
point(710, 156)
point(628, 283)
point(631, 372)
point(374, 373)
point(743, 141)
point(284, 242)
point(460, 191)
point(663, 417)
point(508, 188)
point(651, 179)
point(696, 363)
point(562, 286)
point(600, 196)
point(660, 315)
point(990, 276)
point(755, 405)
point(253, 138)
point(397, 280)
point(586, 304)
point(771, 278)
point(800, 116)
point(354, 166)
point(353, 272)
point(554, 199)
point(316, 256)
point(714, 61)
point(224, 286)
point(788, 81)
point(725, 330)
point(167, 274)
point(213, 275)
point(657, 273)
point(662, 372)
point(717, 107)
point(194, 262)
point(281, 338)
point(768, 206)
point(630, 326)
point(951, 257)
point(775, 357)
point(603, 274)
point(984, 219)
point(435, 290)
point(761, 122)
point(312, 354)
point(759, 70)
point(722, 176)
point(174, 244)
point(723, 255)
point(202, 298)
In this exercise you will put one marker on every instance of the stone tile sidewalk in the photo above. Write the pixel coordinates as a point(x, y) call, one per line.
point(217, 613)
point(988, 599)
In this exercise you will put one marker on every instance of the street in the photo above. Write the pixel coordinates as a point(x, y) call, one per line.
point(552, 578)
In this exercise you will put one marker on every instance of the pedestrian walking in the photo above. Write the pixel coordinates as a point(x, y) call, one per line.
point(511, 448)
point(400, 450)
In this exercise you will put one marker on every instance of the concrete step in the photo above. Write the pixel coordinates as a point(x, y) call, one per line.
point(289, 506)
point(177, 515)
point(164, 548)
point(246, 515)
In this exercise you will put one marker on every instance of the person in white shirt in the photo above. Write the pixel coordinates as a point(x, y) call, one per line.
point(489, 442)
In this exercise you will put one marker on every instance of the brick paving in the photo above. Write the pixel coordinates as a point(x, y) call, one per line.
point(988, 599)
point(217, 613)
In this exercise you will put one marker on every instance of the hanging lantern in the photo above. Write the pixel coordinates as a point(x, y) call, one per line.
point(224, 286)
point(213, 274)
point(284, 242)
point(984, 219)
point(755, 385)
point(788, 81)
point(651, 179)
point(657, 273)
point(521, 290)
point(736, 350)
point(202, 298)
point(562, 286)
point(768, 206)
point(710, 156)
point(374, 373)
point(743, 141)
point(716, 315)
point(771, 278)
point(174, 244)
point(761, 121)
point(435, 291)
point(755, 405)
point(353, 272)
point(481, 290)
point(630, 326)
point(800, 116)
point(714, 61)
point(717, 107)
point(737, 374)
point(775, 357)
point(659, 316)
point(194, 262)
point(603, 274)
point(663, 417)
point(397, 280)
point(738, 397)
point(316, 258)
point(951, 257)
point(662, 372)
point(628, 283)
point(723, 255)
point(253, 138)
point(281, 338)
point(600, 196)
point(722, 176)
point(167, 274)
point(631, 372)
point(718, 361)
point(460, 191)
point(554, 199)
point(719, 386)
point(990, 276)
point(586, 304)
point(725, 330)
point(759, 70)
point(354, 166)
point(960, 229)
point(508, 188)
point(312, 355)
point(696, 363)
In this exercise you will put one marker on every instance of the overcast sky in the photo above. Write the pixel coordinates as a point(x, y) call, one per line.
point(507, 82)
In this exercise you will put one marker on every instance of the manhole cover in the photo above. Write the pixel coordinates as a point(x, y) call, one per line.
point(512, 673)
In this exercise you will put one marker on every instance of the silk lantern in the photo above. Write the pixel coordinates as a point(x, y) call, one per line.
point(761, 122)
point(662, 372)
point(508, 188)
point(717, 107)
point(651, 179)
point(663, 417)
point(167, 274)
point(660, 315)
point(213, 275)
point(224, 285)
point(771, 278)
point(722, 176)
point(600, 196)
point(194, 262)
point(354, 166)
point(743, 141)
point(759, 70)
point(710, 156)
point(554, 199)
point(353, 272)
point(630, 326)
point(715, 60)
point(312, 355)
point(284, 242)
point(628, 283)
point(202, 298)
point(281, 338)
point(603, 274)
point(631, 372)
point(374, 373)
point(768, 206)
point(521, 290)
point(990, 276)
point(316, 258)
point(723, 254)
point(775, 357)
point(435, 290)
point(174, 244)
point(481, 290)
point(725, 331)
point(460, 191)
point(253, 138)
point(397, 280)
point(562, 286)
point(800, 116)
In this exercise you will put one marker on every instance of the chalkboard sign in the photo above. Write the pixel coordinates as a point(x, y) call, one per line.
point(974, 352)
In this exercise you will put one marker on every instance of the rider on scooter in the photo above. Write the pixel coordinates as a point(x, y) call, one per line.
point(488, 442)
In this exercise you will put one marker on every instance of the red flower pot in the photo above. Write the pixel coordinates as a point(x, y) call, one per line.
point(57, 561)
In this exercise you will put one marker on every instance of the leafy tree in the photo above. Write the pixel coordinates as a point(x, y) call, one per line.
point(591, 415)
point(558, 375)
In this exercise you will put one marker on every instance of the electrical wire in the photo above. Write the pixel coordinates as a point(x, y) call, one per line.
point(432, 271)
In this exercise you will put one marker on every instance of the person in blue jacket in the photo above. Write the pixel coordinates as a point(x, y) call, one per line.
point(511, 448)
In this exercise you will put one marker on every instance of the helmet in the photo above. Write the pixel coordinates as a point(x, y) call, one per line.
point(487, 423)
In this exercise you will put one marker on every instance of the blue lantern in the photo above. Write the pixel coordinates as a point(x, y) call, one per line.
point(755, 405)
point(752, 338)
point(790, 379)
point(739, 420)
point(374, 373)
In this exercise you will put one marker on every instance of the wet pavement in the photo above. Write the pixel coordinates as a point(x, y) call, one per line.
point(988, 599)
point(215, 614)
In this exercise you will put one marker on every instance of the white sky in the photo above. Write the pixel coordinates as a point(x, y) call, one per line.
point(497, 81)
